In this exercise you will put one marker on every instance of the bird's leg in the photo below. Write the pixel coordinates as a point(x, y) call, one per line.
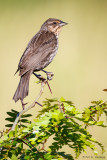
point(39, 76)
point(49, 75)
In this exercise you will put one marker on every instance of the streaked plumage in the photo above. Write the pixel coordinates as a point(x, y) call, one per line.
point(38, 54)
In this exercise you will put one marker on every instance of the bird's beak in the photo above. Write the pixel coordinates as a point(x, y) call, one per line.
point(62, 23)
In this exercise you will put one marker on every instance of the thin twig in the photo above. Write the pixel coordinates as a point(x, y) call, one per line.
point(43, 145)
point(1, 132)
point(49, 87)
point(43, 83)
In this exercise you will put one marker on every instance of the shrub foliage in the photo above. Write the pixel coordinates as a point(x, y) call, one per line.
point(59, 120)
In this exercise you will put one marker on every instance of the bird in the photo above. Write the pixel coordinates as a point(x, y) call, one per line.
point(38, 54)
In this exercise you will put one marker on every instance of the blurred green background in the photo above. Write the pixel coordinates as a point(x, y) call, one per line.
point(80, 66)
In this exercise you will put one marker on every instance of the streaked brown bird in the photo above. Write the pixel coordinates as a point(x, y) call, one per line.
point(38, 54)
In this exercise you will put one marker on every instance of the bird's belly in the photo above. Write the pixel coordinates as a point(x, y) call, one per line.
point(46, 61)
point(49, 59)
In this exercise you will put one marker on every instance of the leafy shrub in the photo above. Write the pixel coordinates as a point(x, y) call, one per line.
point(59, 119)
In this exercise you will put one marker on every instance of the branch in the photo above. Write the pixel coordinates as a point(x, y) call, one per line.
point(43, 83)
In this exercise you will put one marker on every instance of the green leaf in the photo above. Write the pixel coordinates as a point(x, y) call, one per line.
point(11, 134)
point(14, 157)
point(48, 156)
point(26, 130)
point(12, 114)
point(52, 100)
point(61, 115)
point(9, 154)
point(59, 120)
point(26, 115)
point(100, 123)
point(24, 120)
point(62, 99)
point(5, 137)
point(33, 139)
point(87, 110)
point(14, 111)
point(10, 119)
point(27, 157)
point(56, 129)
point(87, 117)
point(20, 145)
point(78, 115)
point(91, 122)
point(96, 152)
point(14, 143)
point(1, 140)
point(16, 129)
point(9, 125)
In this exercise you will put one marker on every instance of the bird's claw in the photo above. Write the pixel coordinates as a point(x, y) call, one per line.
point(49, 75)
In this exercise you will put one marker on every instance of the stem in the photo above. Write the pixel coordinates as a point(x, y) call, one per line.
point(43, 83)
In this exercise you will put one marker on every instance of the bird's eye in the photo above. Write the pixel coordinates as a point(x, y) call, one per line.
point(54, 23)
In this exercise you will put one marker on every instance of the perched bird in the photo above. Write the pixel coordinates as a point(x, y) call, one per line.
point(38, 54)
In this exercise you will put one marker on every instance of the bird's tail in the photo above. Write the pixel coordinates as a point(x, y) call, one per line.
point(23, 87)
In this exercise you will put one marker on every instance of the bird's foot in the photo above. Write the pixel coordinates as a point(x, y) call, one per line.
point(23, 104)
point(49, 75)
point(41, 78)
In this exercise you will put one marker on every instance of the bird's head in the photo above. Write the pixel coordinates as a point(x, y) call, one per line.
point(53, 25)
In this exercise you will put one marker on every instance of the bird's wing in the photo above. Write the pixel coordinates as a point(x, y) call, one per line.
point(40, 46)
